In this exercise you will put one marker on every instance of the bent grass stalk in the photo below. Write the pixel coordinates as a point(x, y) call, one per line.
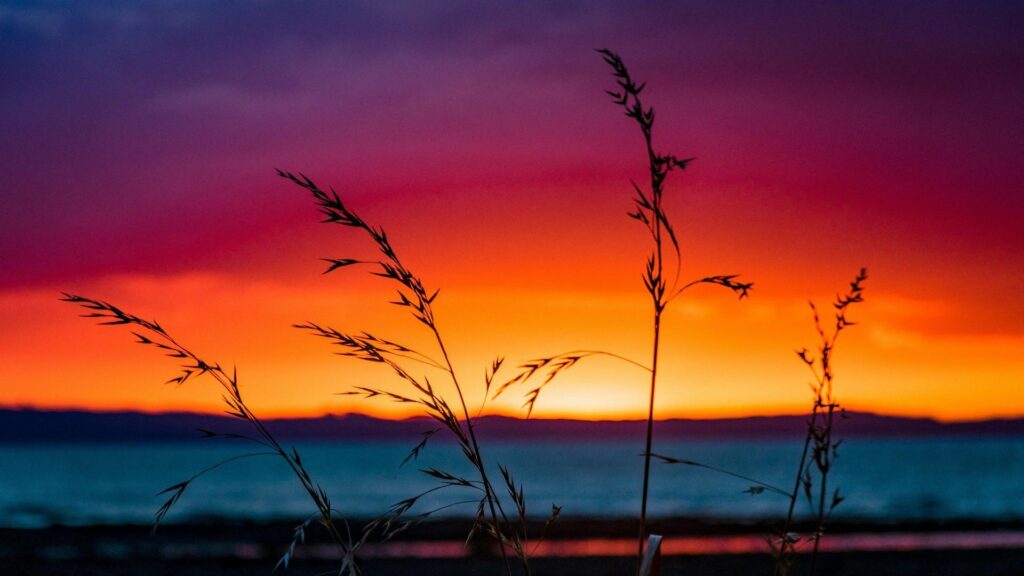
point(648, 209)
point(491, 517)
point(150, 333)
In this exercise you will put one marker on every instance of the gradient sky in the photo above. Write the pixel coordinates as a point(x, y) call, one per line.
point(138, 142)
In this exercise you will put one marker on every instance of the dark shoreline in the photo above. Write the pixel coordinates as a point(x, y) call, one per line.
point(78, 426)
point(219, 547)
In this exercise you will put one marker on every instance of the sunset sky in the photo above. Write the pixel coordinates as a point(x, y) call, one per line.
point(138, 142)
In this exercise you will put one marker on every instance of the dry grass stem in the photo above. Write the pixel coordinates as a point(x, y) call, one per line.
point(662, 272)
point(150, 333)
point(453, 415)
point(820, 448)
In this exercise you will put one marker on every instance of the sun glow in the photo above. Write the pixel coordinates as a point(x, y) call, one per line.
point(709, 371)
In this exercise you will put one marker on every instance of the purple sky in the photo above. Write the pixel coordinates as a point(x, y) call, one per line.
point(138, 140)
point(130, 131)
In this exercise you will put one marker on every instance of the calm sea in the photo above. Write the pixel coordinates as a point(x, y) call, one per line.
point(882, 479)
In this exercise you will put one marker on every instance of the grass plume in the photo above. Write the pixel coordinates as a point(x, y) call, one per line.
point(453, 415)
point(191, 366)
point(662, 270)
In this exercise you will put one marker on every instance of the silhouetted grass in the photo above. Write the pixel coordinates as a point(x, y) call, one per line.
point(503, 518)
point(820, 448)
point(150, 333)
point(412, 296)
point(662, 271)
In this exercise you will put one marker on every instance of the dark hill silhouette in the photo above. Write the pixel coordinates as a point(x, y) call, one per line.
point(83, 426)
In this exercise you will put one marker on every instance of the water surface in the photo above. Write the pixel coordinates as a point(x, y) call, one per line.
point(881, 479)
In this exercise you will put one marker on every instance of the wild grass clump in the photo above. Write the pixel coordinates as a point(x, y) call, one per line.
point(662, 271)
point(503, 521)
point(507, 528)
point(820, 446)
point(424, 375)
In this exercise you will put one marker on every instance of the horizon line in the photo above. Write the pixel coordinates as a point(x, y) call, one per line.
point(329, 414)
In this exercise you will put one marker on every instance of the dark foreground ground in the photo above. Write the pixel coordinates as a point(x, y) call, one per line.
point(217, 548)
point(979, 562)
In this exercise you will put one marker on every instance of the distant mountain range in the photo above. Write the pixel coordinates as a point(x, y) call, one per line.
point(18, 425)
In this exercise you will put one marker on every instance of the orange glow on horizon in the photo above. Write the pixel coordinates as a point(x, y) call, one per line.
point(722, 358)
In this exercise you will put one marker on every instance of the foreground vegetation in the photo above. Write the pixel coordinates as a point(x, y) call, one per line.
point(500, 506)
